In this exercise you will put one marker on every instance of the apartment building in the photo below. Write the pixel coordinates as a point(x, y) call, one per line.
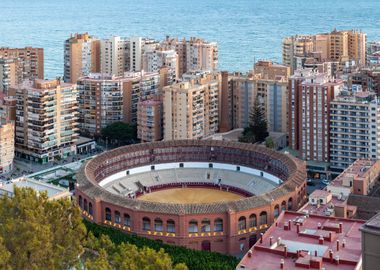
point(354, 128)
point(340, 46)
point(105, 99)
point(30, 59)
point(310, 95)
point(149, 119)
point(277, 106)
point(46, 120)
point(81, 56)
point(113, 54)
point(154, 60)
point(191, 107)
point(10, 74)
point(7, 144)
point(193, 54)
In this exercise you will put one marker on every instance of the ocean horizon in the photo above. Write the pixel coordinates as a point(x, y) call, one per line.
point(245, 30)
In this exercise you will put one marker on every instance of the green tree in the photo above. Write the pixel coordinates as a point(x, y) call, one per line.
point(126, 256)
point(39, 233)
point(269, 142)
point(120, 133)
point(257, 129)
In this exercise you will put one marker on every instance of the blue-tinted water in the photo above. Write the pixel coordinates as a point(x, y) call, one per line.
point(244, 29)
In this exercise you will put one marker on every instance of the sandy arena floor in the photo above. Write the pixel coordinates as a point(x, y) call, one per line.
point(190, 195)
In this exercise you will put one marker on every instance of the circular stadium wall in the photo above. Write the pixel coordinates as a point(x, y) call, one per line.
point(111, 189)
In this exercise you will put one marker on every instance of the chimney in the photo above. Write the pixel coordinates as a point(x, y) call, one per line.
point(331, 255)
point(261, 238)
point(290, 225)
point(340, 227)
point(298, 228)
point(249, 253)
point(319, 226)
point(337, 259)
point(285, 251)
point(344, 243)
point(316, 253)
point(337, 245)
point(271, 240)
point(321, 240)
point(282, 263)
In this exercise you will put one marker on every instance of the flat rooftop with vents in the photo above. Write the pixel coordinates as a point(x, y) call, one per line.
point(297, 241)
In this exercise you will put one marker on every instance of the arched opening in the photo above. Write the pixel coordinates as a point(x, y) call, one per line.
point(85, 206)
point(290, 204)
point(80, 201)
point(205, 225)
point(252, 240)
point(158, 225)
point(252, 221)
point(218, 225)
point(170, 226)
point(283, 206)
point(263, 218)
point(193, 226)
point(127, 220)
point(108, 214)
point(276, 211)
point(242, 224)
point(90, 211)
point(146, 224)
point(117, 217)
point(206, 245)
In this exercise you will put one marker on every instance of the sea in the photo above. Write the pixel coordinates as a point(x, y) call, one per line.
point(246, 30)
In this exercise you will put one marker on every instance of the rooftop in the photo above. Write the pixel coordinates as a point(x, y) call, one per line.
point(53, 191)
point(309, 241)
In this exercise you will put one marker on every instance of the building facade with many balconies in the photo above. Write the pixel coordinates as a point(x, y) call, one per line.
point(354, 129)
point(46, 120)
point(191, 107)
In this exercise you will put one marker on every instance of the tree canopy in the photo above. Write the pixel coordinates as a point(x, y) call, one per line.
point(127, 256)
point(257, 129)
point(120, 133)
point(38, 233)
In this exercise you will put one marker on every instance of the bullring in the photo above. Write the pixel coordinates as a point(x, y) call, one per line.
point(114, 189)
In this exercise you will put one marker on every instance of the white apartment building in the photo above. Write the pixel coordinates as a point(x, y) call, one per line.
point(113, 53)
point(354, 129)
point(154, 60)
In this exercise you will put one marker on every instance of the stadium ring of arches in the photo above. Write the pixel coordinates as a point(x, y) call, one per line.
point(228, 227)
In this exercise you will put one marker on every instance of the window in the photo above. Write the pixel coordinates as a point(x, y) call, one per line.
point(290, 204)
point(108, 214)
point(158, 225)
point(205, 225)
point(283, 206)
point(252, 221)
point(170, 226)
point(276, 211)
point(193, 226)
point(218, 225)
point(117, 217)
point(263, 218)
point(85, 205)
point(242, 223)
point(127, 220)
point(90, 211)
point(146, 224)
point(80, 201)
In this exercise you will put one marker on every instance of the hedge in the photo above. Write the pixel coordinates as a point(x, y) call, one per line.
point(194, 259)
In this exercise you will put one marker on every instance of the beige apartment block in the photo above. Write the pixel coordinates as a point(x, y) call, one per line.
point(105, 99)
point(46, 120)
point(193, 54)
point(81, 56)
point(149, 119)
point(191, 107)
point(10, 74)
point(340, 46)
point(30, 59)
point(7, 144)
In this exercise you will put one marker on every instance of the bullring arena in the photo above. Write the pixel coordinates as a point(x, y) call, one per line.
point(209, 195)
